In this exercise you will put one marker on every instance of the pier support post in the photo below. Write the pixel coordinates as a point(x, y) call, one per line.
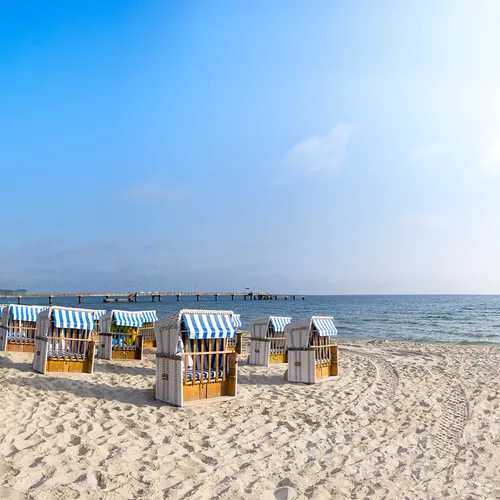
point(159, 298)
point(198, 298)
point(135, 298)
point(19, 299)
point(79, 299)
point(293, 297)
point(286, 297)
point(216, 296)
point(178, 298)
point(244, 297)
point(152, 298)
point(303, 298)
point(50, 299)
point(232, 297)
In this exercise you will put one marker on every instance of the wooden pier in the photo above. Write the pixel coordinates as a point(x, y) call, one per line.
point(135, 296)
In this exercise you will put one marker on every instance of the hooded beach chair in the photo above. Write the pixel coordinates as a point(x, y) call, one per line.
point(18, 330)
point(267, 340)
point(193, 361)
point(120, 337)
point(311, 354)
point(234, 343)
point(63, 340)
point(147, 330)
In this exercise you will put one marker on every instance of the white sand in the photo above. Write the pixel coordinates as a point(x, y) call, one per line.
point(401, 421)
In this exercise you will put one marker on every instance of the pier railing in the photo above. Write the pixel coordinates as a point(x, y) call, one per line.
point(135, 296)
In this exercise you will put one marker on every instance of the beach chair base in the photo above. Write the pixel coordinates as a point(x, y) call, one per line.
point(212, 390)
point(20, 347)
point(149, 344)
point(118, 353)
point(303, 366)
point(126, 354)
point(43, 363)
point(170, 388)
point(329, 370)
point(61, 366)
point(275, 359)
point(260, 353)
point(205, 391)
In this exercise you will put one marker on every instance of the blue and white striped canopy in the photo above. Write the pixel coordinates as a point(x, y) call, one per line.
point(279, 322)
point(325, 326)
point(25, 313)
point(67, 318)
point(99, 313)
point(209, 326)
point(236, 320)
point(149, 316)
point(128, 318)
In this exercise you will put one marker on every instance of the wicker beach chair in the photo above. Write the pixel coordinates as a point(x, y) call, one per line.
point(193, 361)
point(120, 337)
point(95, 334)
point(18, 330)
point(63, 340)
point(267, 340)
point(311, 354)
point(147, 330)
point(234, 343)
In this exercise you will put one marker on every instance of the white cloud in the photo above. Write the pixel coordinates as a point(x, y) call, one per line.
point(153, 190)
point(427, 152)
point(325, 153)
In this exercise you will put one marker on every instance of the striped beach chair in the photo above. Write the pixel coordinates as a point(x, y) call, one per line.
point(18, 330)
point(234, 343)
point(193, 361)
point(147, 330)
point(95, 334)
point(63, 340)
point(119, 336)
point(311, 353)
point(267, 340)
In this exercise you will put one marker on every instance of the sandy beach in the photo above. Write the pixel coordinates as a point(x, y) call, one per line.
point(401, 421)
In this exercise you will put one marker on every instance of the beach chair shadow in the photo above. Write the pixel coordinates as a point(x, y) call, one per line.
point(87, 389)
point(261, 379)
point(102, 366)
point(22, 366)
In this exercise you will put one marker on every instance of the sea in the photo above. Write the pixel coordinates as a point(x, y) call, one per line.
point(460, 319)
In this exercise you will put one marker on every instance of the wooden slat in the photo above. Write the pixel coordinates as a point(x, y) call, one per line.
point(203, 356)
point(224, 358)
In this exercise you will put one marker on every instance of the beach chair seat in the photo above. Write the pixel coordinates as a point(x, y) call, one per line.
point(64, 354)
point(205, 375)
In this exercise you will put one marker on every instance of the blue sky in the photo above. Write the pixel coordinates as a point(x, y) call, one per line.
point(317, 147)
